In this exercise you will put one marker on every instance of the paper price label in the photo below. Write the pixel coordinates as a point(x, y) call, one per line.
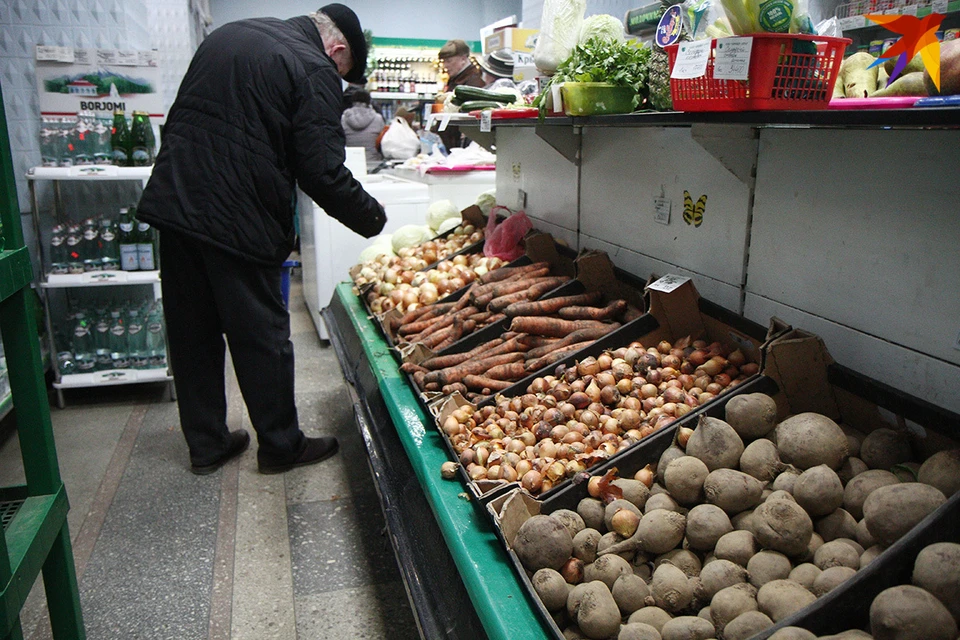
point(107, 56)
point(909, 10)
point(852, 22)
point(938, 6)
point(669, 282)
point(486, 120)
point(128, 58)
point(84, 56)
point(692, 60)
point(48, 53)
point(662, 208)
point(732, 59)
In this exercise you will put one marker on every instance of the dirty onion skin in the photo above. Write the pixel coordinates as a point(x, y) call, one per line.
point(568, 422)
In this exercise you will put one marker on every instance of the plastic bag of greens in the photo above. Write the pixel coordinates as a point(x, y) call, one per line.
point(559, 31)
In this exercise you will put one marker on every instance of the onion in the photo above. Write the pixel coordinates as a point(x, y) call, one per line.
point(532, 481)
point(588, 366)
point(593, 486)
point(645, 476)
point(683, 436)
point(604, 361)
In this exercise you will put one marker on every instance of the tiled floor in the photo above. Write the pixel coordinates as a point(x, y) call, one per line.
point(163, 554)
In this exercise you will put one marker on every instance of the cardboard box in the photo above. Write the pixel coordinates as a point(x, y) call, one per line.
point(511, 38)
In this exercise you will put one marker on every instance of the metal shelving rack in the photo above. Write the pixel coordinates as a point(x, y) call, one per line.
point(89, 173)
point(34, 516)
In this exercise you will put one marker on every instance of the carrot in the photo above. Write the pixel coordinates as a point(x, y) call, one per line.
point(455, 330)
point(442, 323)
point(534, 291)
point(442, 362)
point(551, 305)
point(593, 313)
point(505, 272)
point(506, 335)
point(513, 345)
point(503, 288)
point(483, 383)
point(450, 389)
point(411, 316)
point(552, 327)
point(431, 386)
point(460, 329)
point(455, 374)
point(509, 371)
point(481, 317)
point(418, 377)
point(410, 367)
point(534, 342)
point(425, 320)
point(556, 355)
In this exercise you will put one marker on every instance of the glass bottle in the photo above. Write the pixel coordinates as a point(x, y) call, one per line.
point(127, 240)
point(119, 356)
point(90, 246)
point(136, 340)
point(109, 245)
point(141, 134)
point(58, 250)
point(156, 342)
point(84, 351)
point(74, 248)
point(146, 246)
point(120, 140)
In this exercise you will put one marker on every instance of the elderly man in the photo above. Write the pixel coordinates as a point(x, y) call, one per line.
point(455, 58)
point(257, 113)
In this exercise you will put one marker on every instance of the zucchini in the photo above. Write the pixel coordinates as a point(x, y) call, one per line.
point(479, 105)
point(464, 93)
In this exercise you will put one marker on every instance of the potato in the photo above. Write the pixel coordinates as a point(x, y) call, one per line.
point(752, 415)
point(661, 530)
point(653, 616)
point(786, 480)
point(732, 491)
point(906, 612)
point(780, 495)
point(782, 598)
point(715, 443)
point(570, 519)
point(768, 566)
point(572, 632)
point(633, 490)
point(669, 455)
point(631, 593)
point(706, 523)
point(670, 588)
point(606, 569)
point(861, 486)
point(805, 574)
point(745, 625)
point(718, 575)
point(810, 439)
point(551, 588)
point(661, 501)
point(862, 535)
point(850, 469)
point(850, 634)
point(638, 631)
point(853, 543)
point(684, 479)
point(682, 559)
point(869, 554)
point(687, 628)
point(893, 510)
point(737, 547)
point(611, 538)
point(598, 615)
point(761, 460)
point(591, 510)
point(541, 542)
point(937, 569)
point(942, 470)
point(731, 602)
point(838, 524)
point(792, 633)
point(743, 521)
point(782, 526)
point(818, 490)
point(831, 578)
point(883, 448)
point(616, 505)
point(854, 438)
point(836, 554)
point(585, 545)
point(815, 543)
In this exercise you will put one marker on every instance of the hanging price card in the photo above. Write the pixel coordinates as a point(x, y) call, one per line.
point(486, 117)
point(909, 10)
point(732, 58)
point(938, 6)
point(852, 22)
point(691, 60)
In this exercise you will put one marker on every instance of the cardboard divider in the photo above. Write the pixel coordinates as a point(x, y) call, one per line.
point(801, 376)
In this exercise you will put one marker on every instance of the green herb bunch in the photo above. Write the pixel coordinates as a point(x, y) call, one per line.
point(598, 60)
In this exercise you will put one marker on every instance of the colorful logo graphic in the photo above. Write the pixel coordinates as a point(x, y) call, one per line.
point(917, 35)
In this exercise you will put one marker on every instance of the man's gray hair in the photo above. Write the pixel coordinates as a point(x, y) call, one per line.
point(329, 31)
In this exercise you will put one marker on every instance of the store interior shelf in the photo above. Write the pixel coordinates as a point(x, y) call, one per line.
point(89, 172)
point(858, 22)
point(15, 271)
point(479, 561)
point(112, 377)
point(99, 279)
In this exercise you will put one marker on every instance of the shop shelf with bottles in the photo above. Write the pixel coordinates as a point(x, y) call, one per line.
point(83, 274)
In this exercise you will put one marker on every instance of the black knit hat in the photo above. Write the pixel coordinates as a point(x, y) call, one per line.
point(349, 25)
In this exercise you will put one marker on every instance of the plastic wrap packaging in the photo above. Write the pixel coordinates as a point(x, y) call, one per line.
point(559, 31)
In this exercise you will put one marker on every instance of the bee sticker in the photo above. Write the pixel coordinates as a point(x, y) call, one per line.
point(693, 213)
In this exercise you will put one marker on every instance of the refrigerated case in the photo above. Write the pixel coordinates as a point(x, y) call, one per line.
point(328, 249)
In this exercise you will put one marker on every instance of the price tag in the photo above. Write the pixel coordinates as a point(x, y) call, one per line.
point(938, 6)
point(852, 22)
point(83, 56)
point(147, 58)
point(47, 54)
point(444, 122)
point(732, 59)
point(128, 58)
point(662, 208)
point(909, 10)
point(486, 120)
point(107, 56)
point(669, 282)
point(691, 60)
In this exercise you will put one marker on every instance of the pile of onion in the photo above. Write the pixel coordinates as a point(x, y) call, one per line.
point(416, 258)
point(407, 290)
point(585, 413)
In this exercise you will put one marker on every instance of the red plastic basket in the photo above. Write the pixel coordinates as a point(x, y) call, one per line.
point(787, 72)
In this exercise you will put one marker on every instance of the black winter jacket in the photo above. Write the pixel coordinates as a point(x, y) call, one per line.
point(258, 112)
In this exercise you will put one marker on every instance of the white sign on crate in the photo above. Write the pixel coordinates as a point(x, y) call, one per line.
point(692, 60)
point(732, 59)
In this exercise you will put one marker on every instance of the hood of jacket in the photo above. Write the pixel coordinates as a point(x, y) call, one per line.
point(358, 118)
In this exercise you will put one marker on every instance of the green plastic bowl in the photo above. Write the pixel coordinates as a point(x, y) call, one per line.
point(596, 98)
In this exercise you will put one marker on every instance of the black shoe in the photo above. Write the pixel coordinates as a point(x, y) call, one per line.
point(238, 443)
point(316, 450)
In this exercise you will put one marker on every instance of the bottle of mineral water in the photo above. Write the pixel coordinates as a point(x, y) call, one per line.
point(102, 340)
point(84, 351)
point(74, 248)
point(109, 245)
point(156, 344)
point(136, 340)
point(127, 239)
point(146, 246)
point(118, 341)
point(58, 250)
point(90, 246)
point(66, 364)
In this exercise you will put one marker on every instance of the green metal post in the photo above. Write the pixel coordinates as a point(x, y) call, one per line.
point(35, 430)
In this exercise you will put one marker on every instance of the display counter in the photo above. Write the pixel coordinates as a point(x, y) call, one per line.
point(460, 187)
point(466, 575)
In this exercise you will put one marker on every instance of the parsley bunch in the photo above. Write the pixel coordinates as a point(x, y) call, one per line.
point(598, 60)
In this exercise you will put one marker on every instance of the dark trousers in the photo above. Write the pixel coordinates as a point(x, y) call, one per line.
point(209, 294)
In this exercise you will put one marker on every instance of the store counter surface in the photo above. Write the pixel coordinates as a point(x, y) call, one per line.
point(494, 588)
